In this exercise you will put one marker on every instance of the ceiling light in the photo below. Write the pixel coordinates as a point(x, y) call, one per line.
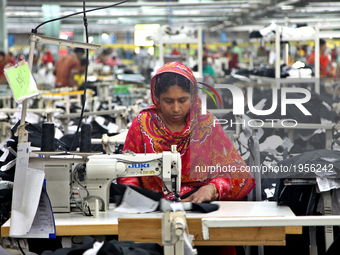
point(328, 4)
point(107, 22)
point(287, 7)
point(287, 2)
point(105, 36)
point(149, 11)
point(63, 36)
point(184, 12)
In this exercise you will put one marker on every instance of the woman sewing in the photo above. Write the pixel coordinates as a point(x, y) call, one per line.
point(175, 118)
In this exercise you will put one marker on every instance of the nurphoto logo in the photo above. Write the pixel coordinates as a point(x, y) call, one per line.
point(238, 103)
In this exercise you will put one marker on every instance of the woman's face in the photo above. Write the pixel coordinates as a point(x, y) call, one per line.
point(174, 104)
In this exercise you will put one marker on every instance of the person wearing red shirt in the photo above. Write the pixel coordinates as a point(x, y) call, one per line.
point(326, 69)
point(175, 118)
point(47, 58)
point(105, 59)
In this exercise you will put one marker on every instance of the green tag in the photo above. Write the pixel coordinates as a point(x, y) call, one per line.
point(21, 81)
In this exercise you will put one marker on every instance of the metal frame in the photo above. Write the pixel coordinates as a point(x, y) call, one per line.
point(34, 38)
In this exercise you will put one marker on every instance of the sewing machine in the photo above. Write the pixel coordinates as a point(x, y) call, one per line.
point(91, 176)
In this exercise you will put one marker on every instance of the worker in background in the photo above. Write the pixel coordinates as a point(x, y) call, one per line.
point(209, 74)
point(141, 59)
point(80, 76)
point(10, 58)
point(35, 63)
point(3, 64)
point(105, 58)
point(116, 60)
point(233, 62)
point(337, 72)
point(66, 67)
point(238, 50)
point(326, 69)
point(47, 58)
point(80, 79)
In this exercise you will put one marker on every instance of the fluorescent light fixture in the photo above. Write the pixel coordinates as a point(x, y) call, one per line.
point(328, 4)
point(108, 21)
point(152, 11)
point(287, 7)
point(287, 2)
point(63, 36)
point(23, 13)
point(318, 9)
point(105, 36)
point(186, 12)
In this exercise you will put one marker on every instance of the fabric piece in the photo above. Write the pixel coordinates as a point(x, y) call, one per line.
point(117, 192)
point(200, 143)
point(209, 71)
point(204, 207)
point(95, 249)
point(3, 251)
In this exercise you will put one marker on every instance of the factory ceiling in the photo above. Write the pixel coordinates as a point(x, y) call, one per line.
point(211, 15)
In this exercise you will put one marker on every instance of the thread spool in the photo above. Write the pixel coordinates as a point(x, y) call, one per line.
point(85, 138)
point(47, 137)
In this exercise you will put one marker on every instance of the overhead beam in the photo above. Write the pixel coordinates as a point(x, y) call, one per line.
point(133, 4)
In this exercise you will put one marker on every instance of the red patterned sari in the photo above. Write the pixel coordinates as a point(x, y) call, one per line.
point(202, 144)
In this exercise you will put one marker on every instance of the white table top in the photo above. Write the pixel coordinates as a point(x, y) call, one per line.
point(107, 222)
point(227, 209)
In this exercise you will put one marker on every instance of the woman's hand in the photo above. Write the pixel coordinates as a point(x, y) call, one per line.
point(204, 193)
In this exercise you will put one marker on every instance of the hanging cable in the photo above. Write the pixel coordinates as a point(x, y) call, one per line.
point(170, 14)
point(76, 13)
point(75, 137)
point(87, 53)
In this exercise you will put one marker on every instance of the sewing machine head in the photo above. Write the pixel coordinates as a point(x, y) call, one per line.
point(101, 170)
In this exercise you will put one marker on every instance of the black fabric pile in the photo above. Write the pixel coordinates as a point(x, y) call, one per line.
point(322, 163)
point(110, 247)
point(306, 166)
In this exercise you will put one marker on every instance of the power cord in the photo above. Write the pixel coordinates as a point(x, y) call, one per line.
point(35, 30)
point(76, 13)
point(75, 137)
point(22, 251)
